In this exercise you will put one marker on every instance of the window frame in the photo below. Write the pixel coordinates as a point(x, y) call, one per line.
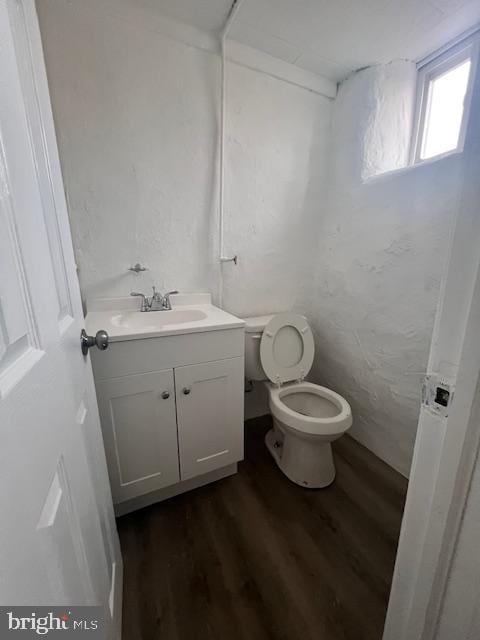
point(429, 71)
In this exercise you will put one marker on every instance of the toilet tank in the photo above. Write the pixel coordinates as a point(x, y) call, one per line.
point(253, 334)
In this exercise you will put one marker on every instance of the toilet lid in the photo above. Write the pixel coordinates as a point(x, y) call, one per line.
point(287, 348)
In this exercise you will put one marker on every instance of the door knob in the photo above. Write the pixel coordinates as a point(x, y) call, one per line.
point(165, 395)
point(186, 390)
point(100, 340)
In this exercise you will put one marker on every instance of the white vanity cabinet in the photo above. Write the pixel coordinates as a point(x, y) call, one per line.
point(171, 410)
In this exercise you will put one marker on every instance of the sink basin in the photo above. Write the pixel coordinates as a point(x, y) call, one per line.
point(122, 319)
point(154, 320)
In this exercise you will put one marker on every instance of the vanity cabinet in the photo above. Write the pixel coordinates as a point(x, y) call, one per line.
point(170, 414)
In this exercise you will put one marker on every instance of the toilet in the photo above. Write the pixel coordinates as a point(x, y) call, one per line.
point(279, 350)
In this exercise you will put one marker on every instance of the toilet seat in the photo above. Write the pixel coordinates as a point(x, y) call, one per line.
point(287, 348)
point(312, 425)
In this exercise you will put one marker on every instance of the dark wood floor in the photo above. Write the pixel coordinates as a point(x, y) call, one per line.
point(255, 557)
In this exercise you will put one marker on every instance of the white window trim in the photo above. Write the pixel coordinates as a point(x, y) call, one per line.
point(466, 49)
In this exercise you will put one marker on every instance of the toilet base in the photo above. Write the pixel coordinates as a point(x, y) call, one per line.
point(305, 462)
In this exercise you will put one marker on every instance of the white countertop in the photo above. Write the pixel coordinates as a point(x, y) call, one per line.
point(122, 319)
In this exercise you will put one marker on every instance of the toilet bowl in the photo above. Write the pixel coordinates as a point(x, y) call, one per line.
point(279, 349)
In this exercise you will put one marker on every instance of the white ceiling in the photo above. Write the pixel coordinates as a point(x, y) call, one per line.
point(333, 37)
point(208, 15)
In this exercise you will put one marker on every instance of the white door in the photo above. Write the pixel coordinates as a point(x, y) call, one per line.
point(210, 415)
point(58, 540)
point(139, 425)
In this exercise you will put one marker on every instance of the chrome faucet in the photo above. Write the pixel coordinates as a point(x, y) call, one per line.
point(156, 302)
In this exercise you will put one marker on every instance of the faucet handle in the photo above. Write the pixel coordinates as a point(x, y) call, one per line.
point(166, 300)
point(143, 297)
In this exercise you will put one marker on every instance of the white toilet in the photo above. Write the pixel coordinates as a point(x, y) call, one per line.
point(306, 417)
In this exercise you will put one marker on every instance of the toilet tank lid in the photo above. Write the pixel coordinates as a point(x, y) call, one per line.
point(257, 323)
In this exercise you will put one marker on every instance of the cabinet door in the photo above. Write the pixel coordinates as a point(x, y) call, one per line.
point(210, 415)
point(140, 432)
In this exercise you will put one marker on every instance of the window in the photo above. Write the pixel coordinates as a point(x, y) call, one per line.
point(444, 94)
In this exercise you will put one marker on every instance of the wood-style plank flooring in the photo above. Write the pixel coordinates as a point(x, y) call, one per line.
point(256, 557)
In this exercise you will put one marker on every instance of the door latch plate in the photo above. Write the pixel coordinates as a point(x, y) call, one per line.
point(437, 395)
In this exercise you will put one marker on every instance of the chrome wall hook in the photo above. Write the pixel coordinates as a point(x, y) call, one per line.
point(137, 268)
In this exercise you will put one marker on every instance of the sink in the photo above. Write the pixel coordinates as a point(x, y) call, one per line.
point(154, 320)
point(122, 319)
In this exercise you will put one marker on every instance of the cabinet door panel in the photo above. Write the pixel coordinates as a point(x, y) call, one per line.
point(210, 415)
point(140, 432)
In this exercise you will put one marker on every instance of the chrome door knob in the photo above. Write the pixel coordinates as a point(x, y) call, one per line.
point(186, 391)
point(99, 340)
point(165, 395)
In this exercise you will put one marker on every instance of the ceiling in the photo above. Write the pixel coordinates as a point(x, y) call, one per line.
point(208, 15)
point(333, 37)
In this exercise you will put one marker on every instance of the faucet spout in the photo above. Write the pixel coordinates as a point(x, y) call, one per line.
point(156, 301)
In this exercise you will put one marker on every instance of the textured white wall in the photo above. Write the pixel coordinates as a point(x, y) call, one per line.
point(136, 118)
point(276, 162)
point(391, 97)
point(380, 256)
point(137, 115)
